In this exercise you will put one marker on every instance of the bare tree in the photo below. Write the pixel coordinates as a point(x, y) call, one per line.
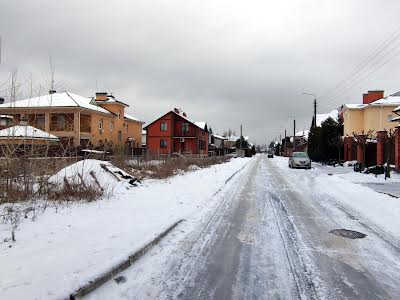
point(361, 140)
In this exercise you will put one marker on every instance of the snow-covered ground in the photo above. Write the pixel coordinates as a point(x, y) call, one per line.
point(65, 248)
point(270, 239)
point(356, 191)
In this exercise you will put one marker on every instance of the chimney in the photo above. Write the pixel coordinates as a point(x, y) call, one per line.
point(1, 100)
point(176, 110)
point(101, 97)
point(184, 114)
point(372, 96)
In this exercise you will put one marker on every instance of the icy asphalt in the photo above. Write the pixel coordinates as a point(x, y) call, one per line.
point(267, 238)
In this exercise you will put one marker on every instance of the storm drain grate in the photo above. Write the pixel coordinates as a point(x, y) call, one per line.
point(350, 234)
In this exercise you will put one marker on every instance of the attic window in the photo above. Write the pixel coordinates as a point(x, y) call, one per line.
point(119, 116)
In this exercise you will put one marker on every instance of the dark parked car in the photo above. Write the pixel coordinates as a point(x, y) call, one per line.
point(270, 154)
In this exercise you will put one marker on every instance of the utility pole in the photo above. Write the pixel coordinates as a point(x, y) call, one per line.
point(315, 113)
point(294, 135)
point(284, 153)
point(314, 124)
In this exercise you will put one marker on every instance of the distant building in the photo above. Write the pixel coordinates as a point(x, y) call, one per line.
point(217, 146)
point(174, 132)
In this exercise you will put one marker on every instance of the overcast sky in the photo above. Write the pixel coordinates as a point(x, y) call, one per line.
point(224, 62)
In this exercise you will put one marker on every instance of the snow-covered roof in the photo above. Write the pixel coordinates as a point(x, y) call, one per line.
point(234, 138)
point(201, 125)
point(62, 99)
point(6, 117)
point(219, 137)
point(323, 117)
point(393, 99)
point(395, 118)
point(303, 134)
point(26, 132)
point(132, 118)
point(355, 106)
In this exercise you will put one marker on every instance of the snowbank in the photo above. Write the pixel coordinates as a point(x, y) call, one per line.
point(91, 170)
point(62, 249)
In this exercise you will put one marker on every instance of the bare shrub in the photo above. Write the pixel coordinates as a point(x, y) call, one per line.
point(164, 168)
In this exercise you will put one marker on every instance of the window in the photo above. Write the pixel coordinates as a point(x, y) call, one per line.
point(101, 125)
point(389, 117)
point(185, 127)
point(163, 126)
point(62, 122)
point(163, 143)
point(111, 125)
point(37, 121)
point(126, 128)
point(119, 116)
point(119, 135)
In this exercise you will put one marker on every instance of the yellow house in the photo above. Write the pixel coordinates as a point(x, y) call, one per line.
point(78, 120)
point(376, 114)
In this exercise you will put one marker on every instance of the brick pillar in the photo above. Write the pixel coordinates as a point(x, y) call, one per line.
point(360, 154)
point(397, 149)
point(348, 141)
point(380, 147)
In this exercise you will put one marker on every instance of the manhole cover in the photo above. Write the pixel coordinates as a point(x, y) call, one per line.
point(350, 234)
point(120, 279)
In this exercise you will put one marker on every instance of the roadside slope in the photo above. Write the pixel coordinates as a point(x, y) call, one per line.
point(62, 249)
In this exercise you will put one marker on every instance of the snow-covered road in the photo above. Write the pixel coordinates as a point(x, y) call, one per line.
point(268, 237)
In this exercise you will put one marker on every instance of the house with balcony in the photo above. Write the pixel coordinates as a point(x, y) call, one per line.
point(175, 133)
point(217, 146)
point(99, 121)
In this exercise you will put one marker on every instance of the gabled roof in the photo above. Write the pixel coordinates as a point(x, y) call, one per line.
point(62, 99)
point(197, 124)
point(26, 132)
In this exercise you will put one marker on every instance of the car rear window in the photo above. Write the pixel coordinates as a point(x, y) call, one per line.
point(300, 155)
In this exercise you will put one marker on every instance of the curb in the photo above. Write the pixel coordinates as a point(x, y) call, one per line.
point(103, 278)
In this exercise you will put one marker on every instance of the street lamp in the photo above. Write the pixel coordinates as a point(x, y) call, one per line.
point(315, 108)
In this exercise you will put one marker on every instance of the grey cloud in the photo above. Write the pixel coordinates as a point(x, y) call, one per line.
point(226, 62)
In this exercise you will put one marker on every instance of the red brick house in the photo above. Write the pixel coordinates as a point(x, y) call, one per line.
point(175, 133)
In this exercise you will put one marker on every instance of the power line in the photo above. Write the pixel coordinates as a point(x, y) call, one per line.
point(365, 65)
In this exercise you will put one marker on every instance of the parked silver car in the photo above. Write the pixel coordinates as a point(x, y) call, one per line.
point(299, 160)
